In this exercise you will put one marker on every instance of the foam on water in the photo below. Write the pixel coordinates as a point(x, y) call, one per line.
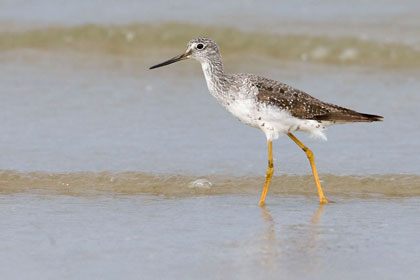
point(201, 184)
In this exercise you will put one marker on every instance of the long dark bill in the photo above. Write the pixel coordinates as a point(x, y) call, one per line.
point(172, 60)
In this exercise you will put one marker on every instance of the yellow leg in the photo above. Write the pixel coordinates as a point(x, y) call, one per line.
point(310, 156)
point(270, 171)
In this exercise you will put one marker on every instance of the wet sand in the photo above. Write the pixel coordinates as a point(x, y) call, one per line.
point(177, 185)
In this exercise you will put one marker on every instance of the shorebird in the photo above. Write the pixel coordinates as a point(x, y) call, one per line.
point(271, 106)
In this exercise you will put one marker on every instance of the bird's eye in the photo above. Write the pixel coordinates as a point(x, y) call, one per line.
point(200, 46)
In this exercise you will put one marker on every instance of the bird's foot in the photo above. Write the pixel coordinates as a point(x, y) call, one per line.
point(323, 201)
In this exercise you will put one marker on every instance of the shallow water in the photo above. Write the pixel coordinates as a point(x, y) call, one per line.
point(109, 170)
point(91, 119)
point(63, 113)
point(218, 237)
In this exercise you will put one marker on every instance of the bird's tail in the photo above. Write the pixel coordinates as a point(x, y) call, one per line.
point(349, 116)
point(371, 118)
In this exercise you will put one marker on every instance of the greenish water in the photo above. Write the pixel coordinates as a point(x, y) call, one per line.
point(145, 39)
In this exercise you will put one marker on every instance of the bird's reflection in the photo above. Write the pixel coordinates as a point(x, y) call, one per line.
point(269, 247)
point(306, 242)
point(270, 232)
point(314, 233)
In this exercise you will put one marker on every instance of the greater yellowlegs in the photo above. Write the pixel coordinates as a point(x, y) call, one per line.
point(271, 106)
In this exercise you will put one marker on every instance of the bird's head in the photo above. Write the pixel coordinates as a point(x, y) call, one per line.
point(201, 49)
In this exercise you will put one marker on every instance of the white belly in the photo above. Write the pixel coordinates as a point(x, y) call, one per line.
point(271, 120)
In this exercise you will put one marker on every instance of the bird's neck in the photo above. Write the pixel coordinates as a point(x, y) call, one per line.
point(214, 74)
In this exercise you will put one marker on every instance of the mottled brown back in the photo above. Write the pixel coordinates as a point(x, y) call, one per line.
point(302, 105)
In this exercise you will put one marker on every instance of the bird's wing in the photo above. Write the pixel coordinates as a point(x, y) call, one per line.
point(302, 105)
